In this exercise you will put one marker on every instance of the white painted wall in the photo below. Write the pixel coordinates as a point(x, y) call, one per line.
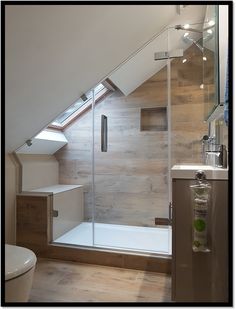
point(54, 53)
point(38, 171)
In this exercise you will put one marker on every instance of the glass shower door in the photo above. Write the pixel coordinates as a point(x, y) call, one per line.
point(131, 155)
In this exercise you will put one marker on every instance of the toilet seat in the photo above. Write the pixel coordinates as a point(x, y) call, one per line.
point(18, 260)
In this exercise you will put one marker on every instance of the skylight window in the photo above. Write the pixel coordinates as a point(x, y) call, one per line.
point(80, 106)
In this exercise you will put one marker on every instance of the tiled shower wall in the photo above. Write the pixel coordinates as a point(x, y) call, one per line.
point(131, 178)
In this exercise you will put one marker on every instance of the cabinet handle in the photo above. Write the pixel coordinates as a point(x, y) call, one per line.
point(55, 213)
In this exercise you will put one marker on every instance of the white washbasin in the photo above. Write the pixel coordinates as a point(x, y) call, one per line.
point(187, 171)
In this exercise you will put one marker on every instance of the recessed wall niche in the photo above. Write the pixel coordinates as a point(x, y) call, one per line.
point(154, 119)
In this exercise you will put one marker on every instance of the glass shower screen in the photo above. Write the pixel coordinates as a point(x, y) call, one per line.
point(131, 151)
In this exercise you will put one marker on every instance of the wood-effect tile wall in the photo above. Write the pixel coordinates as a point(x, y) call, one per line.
point(131, 178)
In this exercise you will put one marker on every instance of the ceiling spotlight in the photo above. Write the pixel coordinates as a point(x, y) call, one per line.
point(204, 58)
point(209, 31)
point(211, 23)
point(186, 34)
point(186, 26)
point(202, 86)
point(184, 60)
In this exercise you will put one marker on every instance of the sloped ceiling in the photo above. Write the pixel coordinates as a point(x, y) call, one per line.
point(55, 53)
point(142, 66)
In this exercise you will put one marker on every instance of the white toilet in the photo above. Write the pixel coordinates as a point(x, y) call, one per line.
point(19, 271)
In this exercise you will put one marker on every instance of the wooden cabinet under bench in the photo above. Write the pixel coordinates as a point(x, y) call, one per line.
point(46, 213)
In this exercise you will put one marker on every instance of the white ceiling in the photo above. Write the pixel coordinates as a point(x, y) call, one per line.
point(54, 53)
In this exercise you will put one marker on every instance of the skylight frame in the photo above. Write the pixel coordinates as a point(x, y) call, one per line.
point(100, 95)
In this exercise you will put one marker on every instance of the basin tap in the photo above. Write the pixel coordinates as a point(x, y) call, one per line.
point(216, 156)
point(207, 145)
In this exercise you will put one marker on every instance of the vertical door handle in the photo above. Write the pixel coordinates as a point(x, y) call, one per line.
point(103, 133)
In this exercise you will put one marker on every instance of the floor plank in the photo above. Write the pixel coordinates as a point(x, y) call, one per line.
point(61, 281)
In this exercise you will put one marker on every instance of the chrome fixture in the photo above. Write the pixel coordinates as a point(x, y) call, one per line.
point(217, 156)
point(29, 142)
point(186, 27)
point(206, 33)
point(213, 154)
point(205, 142)
point(84, 97)
point(200, 175)
point(183, 27)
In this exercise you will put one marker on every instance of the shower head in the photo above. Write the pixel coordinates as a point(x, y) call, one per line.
point(187, 39)
point(205, 38)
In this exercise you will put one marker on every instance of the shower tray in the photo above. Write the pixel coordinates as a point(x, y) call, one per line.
point(132, 238)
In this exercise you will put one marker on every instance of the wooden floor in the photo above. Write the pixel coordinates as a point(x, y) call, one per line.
point(60, 281)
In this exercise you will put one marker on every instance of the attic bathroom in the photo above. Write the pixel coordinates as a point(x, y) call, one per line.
point(117, 154)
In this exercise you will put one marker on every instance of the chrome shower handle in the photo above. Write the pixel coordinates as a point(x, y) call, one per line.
point(103, 133)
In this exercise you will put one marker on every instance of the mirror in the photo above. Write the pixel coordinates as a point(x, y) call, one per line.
point(210, 60)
